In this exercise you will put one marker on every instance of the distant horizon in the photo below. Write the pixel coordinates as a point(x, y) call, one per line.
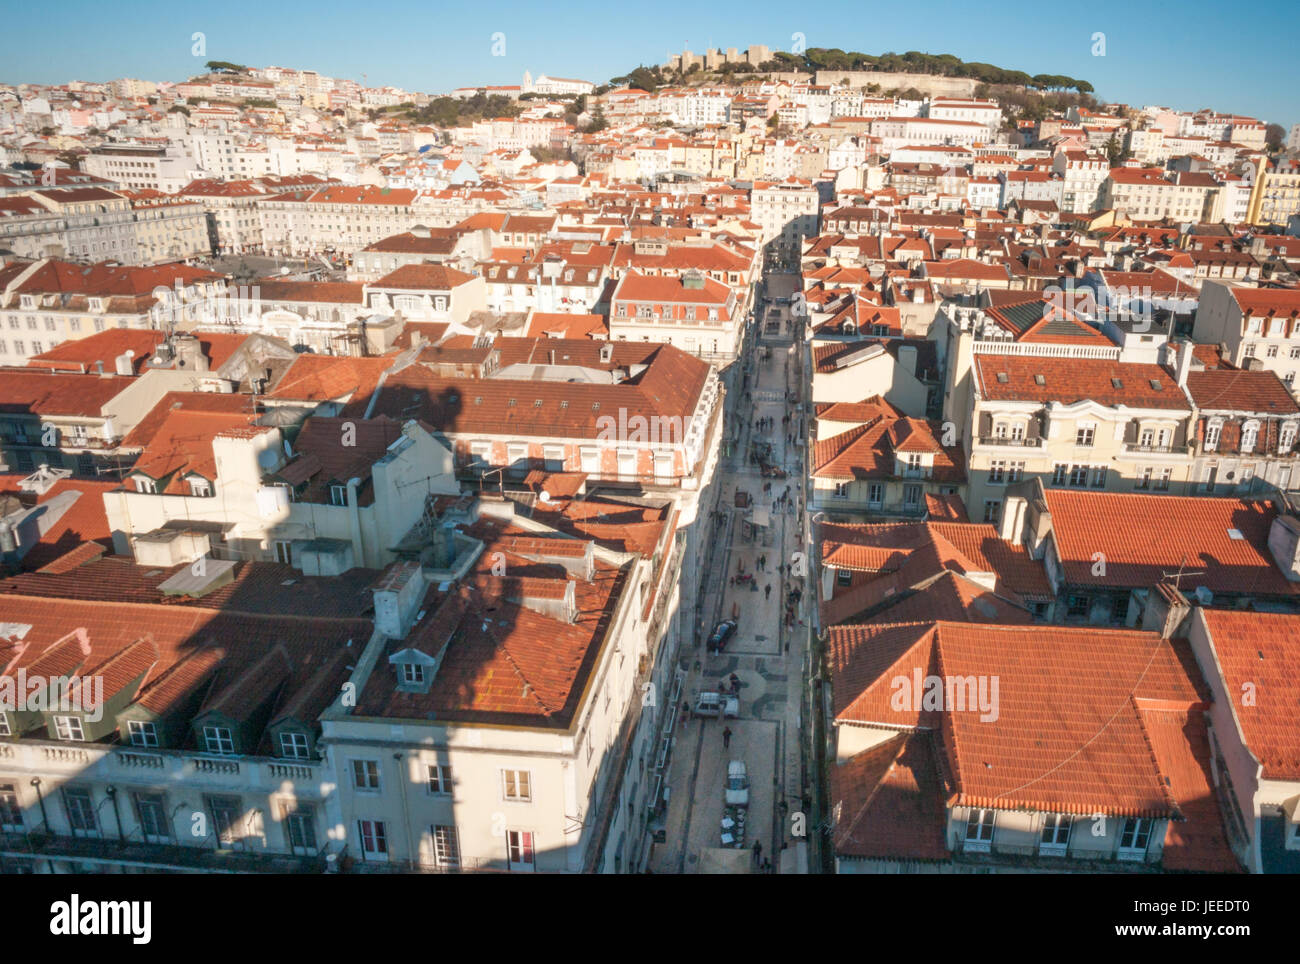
point(1149, 58)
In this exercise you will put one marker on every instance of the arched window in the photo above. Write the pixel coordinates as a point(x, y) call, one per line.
point(1249, 434)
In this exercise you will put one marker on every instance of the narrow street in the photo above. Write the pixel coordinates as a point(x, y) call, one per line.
point(767, 650)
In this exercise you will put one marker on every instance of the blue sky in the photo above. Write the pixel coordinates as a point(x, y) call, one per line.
point(1188, 55)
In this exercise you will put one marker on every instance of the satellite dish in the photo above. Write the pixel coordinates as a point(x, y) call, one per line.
point(544, 496)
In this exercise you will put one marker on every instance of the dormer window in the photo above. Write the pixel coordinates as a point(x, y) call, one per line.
point(218, 740)
point(69, 728)
point(147, 485)
point(28, 302)
point(200, 488)
point(415, 670)
point(294, 745)
point(1286, 438)
point(1212, 430)
point(1249, 434)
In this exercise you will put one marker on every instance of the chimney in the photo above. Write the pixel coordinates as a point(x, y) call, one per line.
point(907, 359)
point(124, 363)
point(1011, 528)
point(1185, 363)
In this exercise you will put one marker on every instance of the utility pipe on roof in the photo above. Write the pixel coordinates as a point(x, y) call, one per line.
point(354, 522)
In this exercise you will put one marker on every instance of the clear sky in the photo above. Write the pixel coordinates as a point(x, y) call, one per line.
point(1185, 55)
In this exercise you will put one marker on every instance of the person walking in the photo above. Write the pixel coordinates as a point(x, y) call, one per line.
point(767, 591)
point(726, 737)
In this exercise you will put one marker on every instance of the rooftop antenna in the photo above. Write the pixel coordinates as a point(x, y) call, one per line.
point(1177, 576)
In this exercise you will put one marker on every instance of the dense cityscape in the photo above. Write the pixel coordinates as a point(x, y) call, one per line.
point(768, 461)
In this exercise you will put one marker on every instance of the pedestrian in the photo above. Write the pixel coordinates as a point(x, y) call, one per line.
point(726, 737)
point(767, 591)
point(758, 852)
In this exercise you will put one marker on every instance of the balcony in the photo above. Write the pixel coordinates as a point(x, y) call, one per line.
point(1137, 449)
point(159, 856)
point(1028, 443)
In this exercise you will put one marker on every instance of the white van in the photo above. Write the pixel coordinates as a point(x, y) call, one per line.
point(737, 793)
point(718, 706)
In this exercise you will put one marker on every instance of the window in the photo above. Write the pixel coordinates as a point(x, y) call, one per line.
point(338, 495)
point(844, 577)
point(365, 774)
point(1147, 439)
point(979, 830)
point(1056, 834)
point(374, 839)
point(1098, 476)
point(151, 810)
point(1084, 434)
point(997, 471)
point(1286, 438)
point(1077, 606)
point(519, 844)
point(11, 814)
point(516, 785)
point(412, 674)
point(911, 496)
point(992, 510)
point(446, 846)
point(1212, 429)
point(1079, 476)
point(1133, 838)
point(1271, 351)
point(1060, 473)
point(294, 745)
point(218, 740)
point(875, 493)
point(1144, 482)
point(1249, 433)
point(143, 484)
point(142, 733)
point(200, 488)
point(914, 462)
point(841, 490)
point(68, 728)
point(1162, 483)
point(300, 828)
point(4, 725)
point(225, 818)
point(439, 778)
point(1015, 472)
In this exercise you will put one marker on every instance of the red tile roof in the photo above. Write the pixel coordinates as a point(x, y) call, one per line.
point(1259, 653)
point(1068, 731)
point(1146, 539)
point(1070, 380)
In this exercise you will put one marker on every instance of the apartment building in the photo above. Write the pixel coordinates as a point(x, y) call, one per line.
point(1119, 807)
point(1255, 782)
point(1275, 195)
point(693, 313)
point(179, 733)
point(509, 728)
point(1112, 557)
point(1245, 432)
point(215, 484)
point(1255, 327)
point(882, 463)
point(788, 212)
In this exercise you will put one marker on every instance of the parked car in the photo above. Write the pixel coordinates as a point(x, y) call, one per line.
point(721, 633)
point(717, 705)
point(737, 792)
